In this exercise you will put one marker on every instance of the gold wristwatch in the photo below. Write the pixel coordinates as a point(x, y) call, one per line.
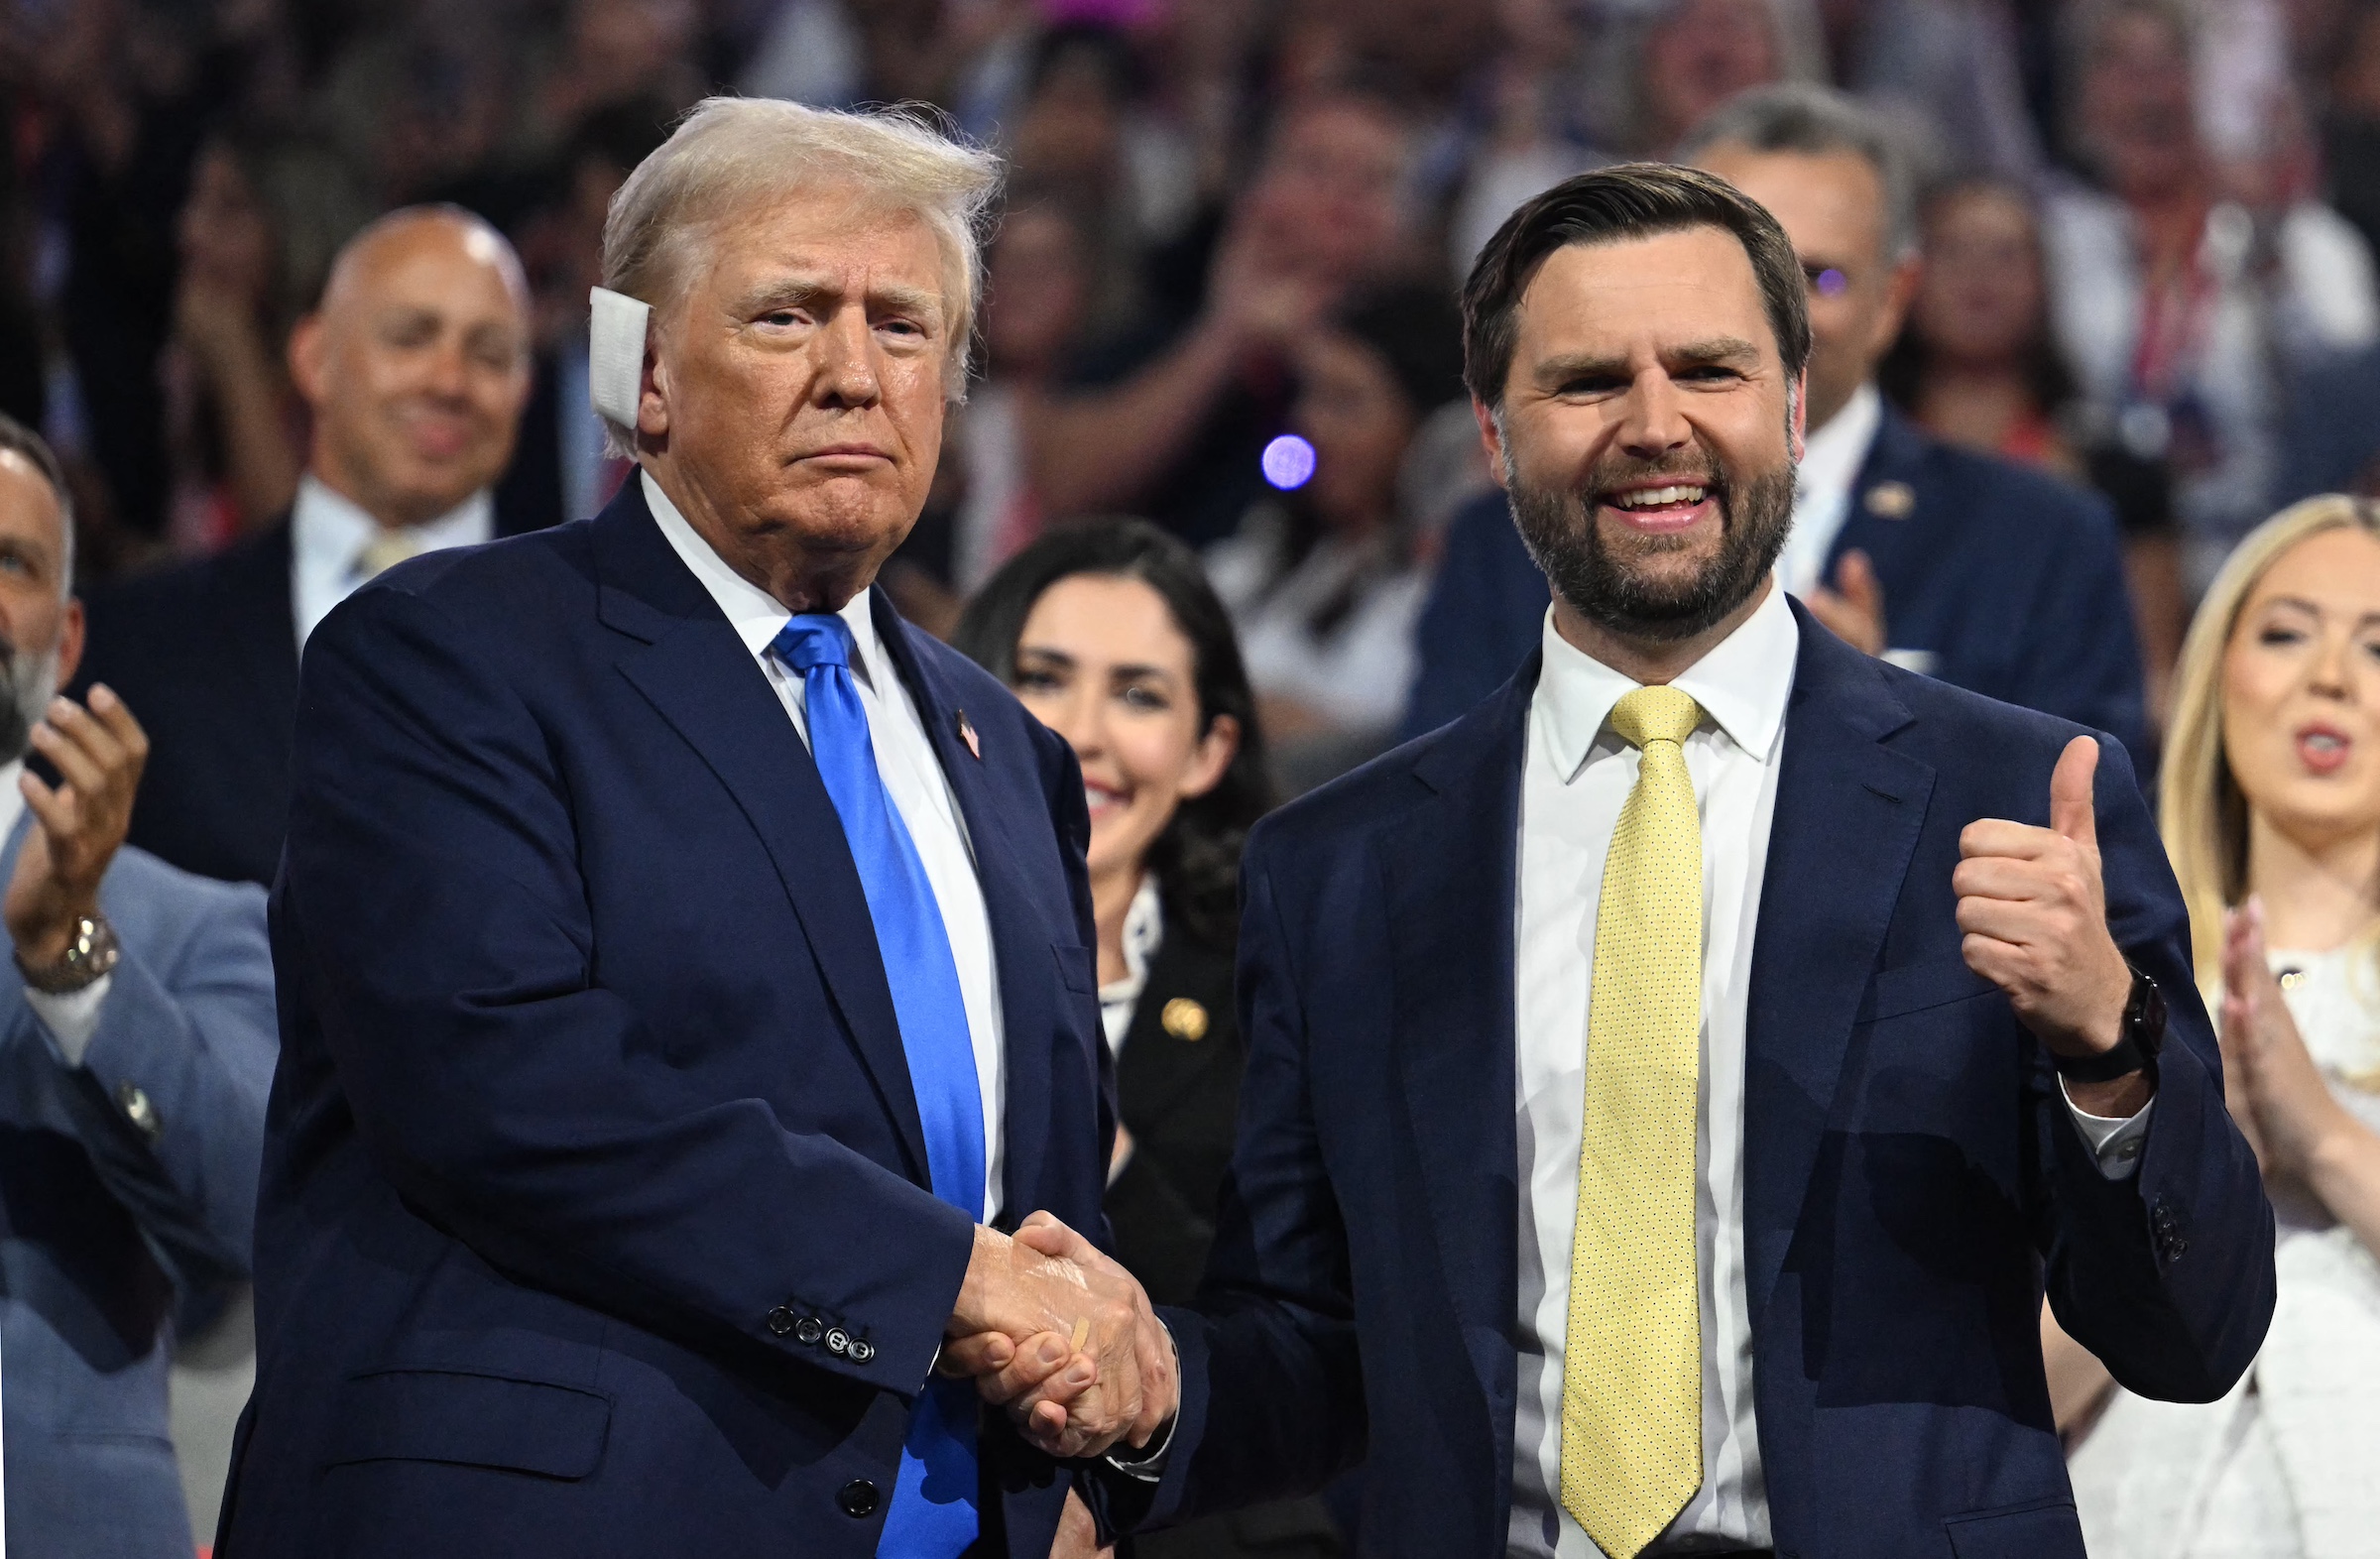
point(91, 951)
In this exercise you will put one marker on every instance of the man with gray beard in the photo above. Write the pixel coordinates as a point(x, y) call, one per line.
point(1670, 1085)
point(136, 1048)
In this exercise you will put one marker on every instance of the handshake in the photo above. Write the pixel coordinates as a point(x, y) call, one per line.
point(1064, 1338)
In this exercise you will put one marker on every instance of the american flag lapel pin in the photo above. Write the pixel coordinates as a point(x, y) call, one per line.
point(967, 735)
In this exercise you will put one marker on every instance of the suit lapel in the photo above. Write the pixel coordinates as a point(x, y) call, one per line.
point(1449, 868)
point(696, 672)
point(1029, 987)
point(1891, 506)
point(1847, 814)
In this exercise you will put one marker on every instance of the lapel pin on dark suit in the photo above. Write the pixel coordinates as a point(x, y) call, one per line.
point(1891, 499)
point(967, 735)
point(1184, 1018)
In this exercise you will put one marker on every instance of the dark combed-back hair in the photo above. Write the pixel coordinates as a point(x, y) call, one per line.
point(1197, 858)
point(1610, 205)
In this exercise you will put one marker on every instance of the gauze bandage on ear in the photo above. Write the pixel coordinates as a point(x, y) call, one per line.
point(616, 354)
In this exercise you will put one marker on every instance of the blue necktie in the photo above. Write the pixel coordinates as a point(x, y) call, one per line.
point(933, 1509)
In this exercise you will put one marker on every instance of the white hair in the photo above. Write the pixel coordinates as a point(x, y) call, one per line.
point(732, 152)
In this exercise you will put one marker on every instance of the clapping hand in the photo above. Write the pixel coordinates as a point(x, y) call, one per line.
point(2277, 1094)
point(80, 823)
point(1064, 1338)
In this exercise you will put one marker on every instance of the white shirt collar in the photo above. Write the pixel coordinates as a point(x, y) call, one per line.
point(1742, 685)
point(757, 615)
point(1822, 487)
point(1833, 455)
point(329, 531)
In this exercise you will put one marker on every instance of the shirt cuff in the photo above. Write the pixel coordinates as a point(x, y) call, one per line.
point(1148, 1465)
point(71, 1020)
point(2114, 1144)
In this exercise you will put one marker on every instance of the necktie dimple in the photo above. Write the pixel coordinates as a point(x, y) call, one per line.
point(932, 1515)
point(1632, 1360)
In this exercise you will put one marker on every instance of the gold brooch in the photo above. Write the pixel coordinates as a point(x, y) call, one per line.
point(1185, 1020)
point(1891, 499)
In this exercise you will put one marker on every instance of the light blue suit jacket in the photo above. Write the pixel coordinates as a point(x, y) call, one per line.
point(126, 1187)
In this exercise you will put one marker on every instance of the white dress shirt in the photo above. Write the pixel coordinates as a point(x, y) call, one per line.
point(1822, 488)
point(1576, 775)
point(912, 777)
point(328, 532)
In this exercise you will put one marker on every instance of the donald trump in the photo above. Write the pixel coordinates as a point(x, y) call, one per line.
point(685, 966)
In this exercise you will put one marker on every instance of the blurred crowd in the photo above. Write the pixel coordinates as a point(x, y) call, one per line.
point(2146, 228)
point(2093, 280)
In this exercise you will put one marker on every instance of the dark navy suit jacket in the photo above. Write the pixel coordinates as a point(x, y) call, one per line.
point(1910, 1170)
point(2009, 582)
point(593, 1128)
point(205, 654)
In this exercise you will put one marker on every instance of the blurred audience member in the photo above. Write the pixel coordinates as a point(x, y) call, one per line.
point(2351, 126)
point(560, 469)
point(2181, 309)
point(416, 367)
point(1976, 365)
point(1180, 435)
point(2271, 810)
point(1960, 565)
point(1946, 74)
point(138, 1050)
point(1321, 579)
point(612, 52)
point(1692, 55)
point(1109, 634)
point(235, 418)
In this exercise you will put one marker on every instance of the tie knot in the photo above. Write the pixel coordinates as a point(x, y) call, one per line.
point(814, 639)
point(1655, 714)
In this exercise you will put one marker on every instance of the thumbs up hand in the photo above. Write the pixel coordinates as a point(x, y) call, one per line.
point(2034, 909)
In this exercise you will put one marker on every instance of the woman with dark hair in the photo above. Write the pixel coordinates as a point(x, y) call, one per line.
point(1110, 634)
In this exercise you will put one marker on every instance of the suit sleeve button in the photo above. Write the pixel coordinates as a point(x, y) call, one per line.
point(861, 1350)
point(781, 1320)
point(857, 1499)
point(838, 1342)
point(808, 1330)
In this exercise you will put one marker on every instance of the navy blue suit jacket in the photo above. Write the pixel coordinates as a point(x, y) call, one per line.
point(2009, 581)
point(593, 1128)
point(1910, 1172)
point(205, 653)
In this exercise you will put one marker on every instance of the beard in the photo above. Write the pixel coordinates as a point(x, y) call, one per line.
point(1618, 591)
point(26, 684)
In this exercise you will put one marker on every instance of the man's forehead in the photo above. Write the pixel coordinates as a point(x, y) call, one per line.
point(443, 280)
point(1691, 284)
point(840, 244)
point(28, 504)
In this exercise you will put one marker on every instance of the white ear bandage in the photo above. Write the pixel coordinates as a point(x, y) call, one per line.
point(616, 354)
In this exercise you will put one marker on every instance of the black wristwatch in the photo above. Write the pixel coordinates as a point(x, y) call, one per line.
point(2140, 1039)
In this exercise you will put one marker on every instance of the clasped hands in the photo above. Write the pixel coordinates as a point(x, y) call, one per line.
point(1064, 1338)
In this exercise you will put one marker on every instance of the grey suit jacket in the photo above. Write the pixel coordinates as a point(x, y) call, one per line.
point(127, 1186)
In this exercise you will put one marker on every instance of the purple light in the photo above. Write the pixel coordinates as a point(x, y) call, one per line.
point(1288, 462)
point(1832, 281)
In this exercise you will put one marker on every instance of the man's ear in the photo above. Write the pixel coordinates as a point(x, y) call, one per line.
point(1900, 291)
point(1492, 438)
point(306, 351)
point(1797, 440)
point(652, 401)
point(70, 643)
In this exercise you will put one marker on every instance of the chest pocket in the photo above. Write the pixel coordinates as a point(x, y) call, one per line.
point(1921, 987)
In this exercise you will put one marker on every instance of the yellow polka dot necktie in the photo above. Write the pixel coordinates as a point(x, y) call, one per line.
point(1632, 1365)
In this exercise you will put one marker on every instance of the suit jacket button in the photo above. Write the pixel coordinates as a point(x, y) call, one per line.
point(808, 1331)
point(857, 1499)
point(781, 1320)
point(838, 1342)
point(861, 1350)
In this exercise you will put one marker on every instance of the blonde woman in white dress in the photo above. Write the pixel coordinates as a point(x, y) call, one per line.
point(2271, 811)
